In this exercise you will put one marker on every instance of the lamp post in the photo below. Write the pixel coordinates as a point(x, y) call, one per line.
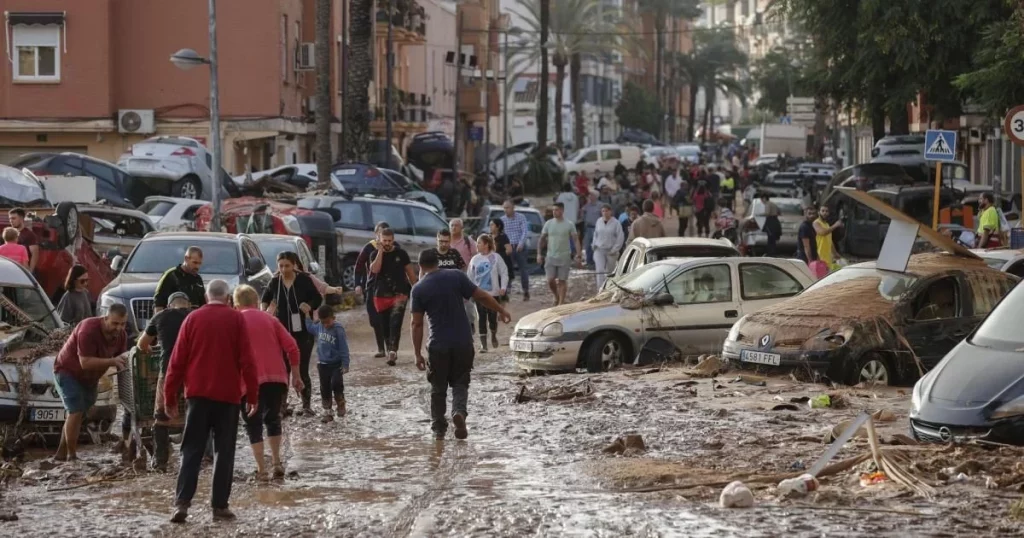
point(186, 59)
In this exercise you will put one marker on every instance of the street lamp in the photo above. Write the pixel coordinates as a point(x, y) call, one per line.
point(187, 59)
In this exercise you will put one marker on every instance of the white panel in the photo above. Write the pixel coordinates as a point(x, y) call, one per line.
point(37, 36)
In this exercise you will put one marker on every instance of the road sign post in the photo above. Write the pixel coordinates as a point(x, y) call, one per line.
point(1013, 126)
point(939, 146)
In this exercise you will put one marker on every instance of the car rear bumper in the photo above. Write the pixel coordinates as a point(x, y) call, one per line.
point(148, 169)
point(545, 355)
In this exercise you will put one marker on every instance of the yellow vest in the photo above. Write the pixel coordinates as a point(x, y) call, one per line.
point(728, 183)
point(824, 243)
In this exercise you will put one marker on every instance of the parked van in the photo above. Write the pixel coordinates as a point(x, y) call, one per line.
point(602, 158)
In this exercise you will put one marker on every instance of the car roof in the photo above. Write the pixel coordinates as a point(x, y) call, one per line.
point(160, 198)
point(999, 253)
point(88, 208)
point(683, 241)
point(275, 237)
point(928, 264)
point(13, 274)
point(373, 199)
point(198, 236)
point(518, 208)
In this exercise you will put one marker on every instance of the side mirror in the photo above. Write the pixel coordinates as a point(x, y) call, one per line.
point(117, 263)
point(254, 265)
point(314, 267)
point(664, 299)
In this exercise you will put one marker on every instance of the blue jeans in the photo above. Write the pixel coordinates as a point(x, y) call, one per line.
point(519, 258)
point(588, 238)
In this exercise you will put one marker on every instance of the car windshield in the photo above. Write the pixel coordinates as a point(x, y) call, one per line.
point(360, 180)
point(647, 278)
point(891, 286)
point(220, 258)
point(1001, 329)
point(31, 303)
point(270, 248)
point(689, 251)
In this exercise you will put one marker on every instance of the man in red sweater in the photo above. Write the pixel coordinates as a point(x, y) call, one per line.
point(212, 358)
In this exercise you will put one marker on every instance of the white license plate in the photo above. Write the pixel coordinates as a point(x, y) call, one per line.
point(760, 357)
point(524, 347)
point(47, 415)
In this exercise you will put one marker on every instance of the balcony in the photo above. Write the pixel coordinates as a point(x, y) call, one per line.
point(409, 112)
point(409, 21)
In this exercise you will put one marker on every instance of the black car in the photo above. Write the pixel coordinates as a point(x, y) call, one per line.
point(113, 185)
point(862, 324)
point(977, 391)
point(360, 179)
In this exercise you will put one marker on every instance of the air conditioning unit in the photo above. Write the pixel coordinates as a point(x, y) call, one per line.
point(135, 121)
point(305, 57)
point(311, 104)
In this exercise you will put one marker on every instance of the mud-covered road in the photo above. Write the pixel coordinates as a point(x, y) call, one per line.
point(539, 468)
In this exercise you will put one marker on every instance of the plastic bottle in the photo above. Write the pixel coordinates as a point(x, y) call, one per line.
point(798, 486)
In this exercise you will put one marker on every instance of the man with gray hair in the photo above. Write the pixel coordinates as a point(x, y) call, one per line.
point(213, 359)
point(467, 248)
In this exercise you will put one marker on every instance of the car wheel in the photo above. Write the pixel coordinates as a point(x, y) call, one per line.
point(348, 273)
point(872, 369)
point(604, 352)
point(187, 187)
point(68, 214)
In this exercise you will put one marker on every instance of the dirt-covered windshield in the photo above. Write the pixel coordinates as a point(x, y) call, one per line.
point(21, 306)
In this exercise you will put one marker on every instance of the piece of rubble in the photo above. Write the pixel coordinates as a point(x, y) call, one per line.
point(736, 495)
point(8, 515)
point(630, 442)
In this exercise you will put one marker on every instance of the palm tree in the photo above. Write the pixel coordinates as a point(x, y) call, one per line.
point(323, 93)
point(542, 111)
point(711, 65)
point(661, 11)
point(360, 72)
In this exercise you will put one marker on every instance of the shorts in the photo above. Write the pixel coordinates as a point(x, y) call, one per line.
point(559, 271)
point(76, 397)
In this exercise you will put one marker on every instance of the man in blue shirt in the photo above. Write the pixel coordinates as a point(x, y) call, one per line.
point(332, 359)
point(439, 296)
point(517, 228)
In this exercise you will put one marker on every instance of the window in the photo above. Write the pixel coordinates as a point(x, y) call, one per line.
point(940, 300)
point(156, 208)
point(250, 250)
point(987, 291)
point(37, 53)
point(588, 157)
point(630, 257)
point(66, 164)
point(114, 224)
point(190, 213)
point(427, 223)
point(763, 281)
point(611, 154)
point(351, 216)
point(103, 174)
point(394, 215)
point(711, 284)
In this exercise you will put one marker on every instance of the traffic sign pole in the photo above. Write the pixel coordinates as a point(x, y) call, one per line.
point(1013, 126)
point(938, 197)
point(940, 147)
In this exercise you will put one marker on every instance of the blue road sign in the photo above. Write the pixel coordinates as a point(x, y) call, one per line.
point(476, 133)
point(940, 145)
point(786, 120)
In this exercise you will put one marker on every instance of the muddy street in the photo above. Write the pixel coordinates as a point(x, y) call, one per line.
point(541, 468)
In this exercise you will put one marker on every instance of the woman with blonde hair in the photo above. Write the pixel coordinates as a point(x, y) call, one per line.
point(11, 249)
point(488, 271)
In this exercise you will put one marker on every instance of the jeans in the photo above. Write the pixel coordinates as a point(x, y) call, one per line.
point(332, 383)
point(704, 222)
point(519, 257)
point(604, 263)
point(203, 416)
point(448, 367)
point(305, 342)
point(487, 317)
point(371, 312)
point(588, 238)
point(268, 414)
point(391, 325)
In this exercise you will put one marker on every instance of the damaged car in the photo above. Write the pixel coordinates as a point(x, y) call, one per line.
point(31, 335)
point(977, 391)
point(864, 324)
point(642, 251)
point(676, 307)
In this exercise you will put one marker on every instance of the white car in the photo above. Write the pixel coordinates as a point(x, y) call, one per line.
point(168, 214)
point(601, 159)
point(298, 175)
point(174, 165)
point(684, 306)
point(689, 153)
point(44, 411)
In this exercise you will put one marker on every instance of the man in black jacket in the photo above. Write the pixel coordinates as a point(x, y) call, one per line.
point(184, 278)
point(365, 283)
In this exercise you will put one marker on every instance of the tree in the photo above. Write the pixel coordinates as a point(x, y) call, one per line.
point(360, 72)
point(712, 65)
point(995, 83)
point(661, 11)
point(323, 94)
point(776, 76)
point(639, 109)
point(545, 77)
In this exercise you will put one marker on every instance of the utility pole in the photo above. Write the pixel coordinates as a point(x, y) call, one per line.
point(343, 73)
point(390, 82)
point(216, 183)
point(487, 101)
point(504, 134)
point(458, 86)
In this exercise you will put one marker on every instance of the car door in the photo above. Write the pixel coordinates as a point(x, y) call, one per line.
point(706, 307)
point(260, 280)
point(399, 220)
point(862, 229)
point(309, 258)
point(355, 224)
point(763, 284)
point(930, 332)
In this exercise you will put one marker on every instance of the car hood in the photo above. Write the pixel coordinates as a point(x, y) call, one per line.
point(134, 285)
point(40, 370)
point(538, 320)
point(972, 376)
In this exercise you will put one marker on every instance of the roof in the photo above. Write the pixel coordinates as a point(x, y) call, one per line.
point(928, 264)
point(1006, 254)
point(197, 236)
point(13, 274)
point(684, 241)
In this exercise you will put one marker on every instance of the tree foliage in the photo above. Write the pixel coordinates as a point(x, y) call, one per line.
point(639, 109)
point(996, 83)
point(776, 77)
point(714, 65)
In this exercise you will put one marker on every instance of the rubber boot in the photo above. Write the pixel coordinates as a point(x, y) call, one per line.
point(341, 407)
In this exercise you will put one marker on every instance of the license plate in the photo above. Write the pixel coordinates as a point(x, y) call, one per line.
point(760, 357)
point(525, 347)
point(47, 415)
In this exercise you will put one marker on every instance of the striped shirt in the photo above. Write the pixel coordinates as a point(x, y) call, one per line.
point(515, 228)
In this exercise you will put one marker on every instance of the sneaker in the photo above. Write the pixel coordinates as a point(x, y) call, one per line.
point(180, 514)
point(379, 354)
point(342, 411)
point(308, 411)
point(392, 358)
point(278, 472)
point(328, 417)
point(460, 426)
point(223, 514)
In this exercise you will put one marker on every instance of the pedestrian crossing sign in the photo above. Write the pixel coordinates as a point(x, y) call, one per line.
point(940, 145)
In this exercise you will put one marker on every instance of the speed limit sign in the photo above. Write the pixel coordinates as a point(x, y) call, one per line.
point(1013, 125)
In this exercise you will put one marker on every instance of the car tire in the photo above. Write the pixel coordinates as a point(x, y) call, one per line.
point(348, 272)
point(187, 187)
point(871, 369)
point(605, 351)
point(69, 218)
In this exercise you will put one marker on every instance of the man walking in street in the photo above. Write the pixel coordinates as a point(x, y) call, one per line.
point(163, 329)
point(559, 236)
point(26, 237)
point(517, 229)
point(591, 213)
point(95, 346)
point(184, 278)
point(395, 277)
point(648, 225)
point(439, 296)
point(213, 359)
point(365, 285)
point(607, 242)
point(448, 258)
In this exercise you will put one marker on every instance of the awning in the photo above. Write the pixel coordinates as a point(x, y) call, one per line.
point(35, 17)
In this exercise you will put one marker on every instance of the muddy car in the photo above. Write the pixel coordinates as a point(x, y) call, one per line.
point(977, 391)
point(1004, 259)
point(867, 325)
point(32, 334)
point(670, 307)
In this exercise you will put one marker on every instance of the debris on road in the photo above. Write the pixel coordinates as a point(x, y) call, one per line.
point(626, 445)
point(820, 401)
point(708, 366)
point(573, 391)
point(797, 487)
point(736, 495)
point(871, 479)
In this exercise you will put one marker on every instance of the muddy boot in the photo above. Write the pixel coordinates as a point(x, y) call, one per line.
point(328, 416)
point(392, 358)
point(483, 343)
point(460, 426)
point(223, 514)
point(180, 514)
point(494, 339)
point(341, 407)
